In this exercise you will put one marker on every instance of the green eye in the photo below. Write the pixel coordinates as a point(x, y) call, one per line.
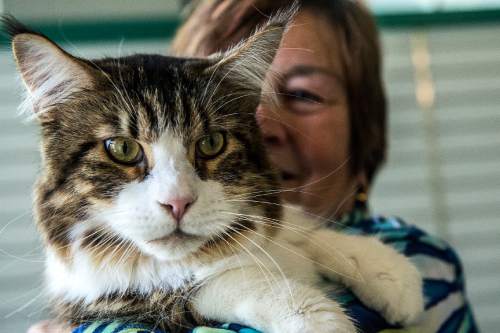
point(124, 150)
point(211, 145)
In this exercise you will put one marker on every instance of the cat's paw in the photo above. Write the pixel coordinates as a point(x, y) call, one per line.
point(390, 284)
point(318, 314)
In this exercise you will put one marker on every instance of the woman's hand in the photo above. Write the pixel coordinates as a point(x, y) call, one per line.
point(49, 326)
point(216, 25)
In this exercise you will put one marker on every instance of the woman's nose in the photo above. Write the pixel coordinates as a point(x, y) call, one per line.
point(272, 126)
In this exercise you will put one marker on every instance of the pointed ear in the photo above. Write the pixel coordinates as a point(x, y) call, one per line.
point(245, 65)
point(50, 74)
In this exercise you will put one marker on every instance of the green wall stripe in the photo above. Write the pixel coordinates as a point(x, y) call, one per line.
point(415, 20)
point(154, 28)
point(164, 27)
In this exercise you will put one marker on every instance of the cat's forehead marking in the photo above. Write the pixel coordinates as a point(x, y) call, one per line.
point(158, 96)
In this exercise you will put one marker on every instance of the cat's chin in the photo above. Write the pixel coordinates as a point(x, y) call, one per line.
point(172, 247)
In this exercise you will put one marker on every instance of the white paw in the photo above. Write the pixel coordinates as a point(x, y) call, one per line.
point(318, 315)
point(391, 285)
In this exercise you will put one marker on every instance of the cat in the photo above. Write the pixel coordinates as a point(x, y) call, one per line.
point(156, 202)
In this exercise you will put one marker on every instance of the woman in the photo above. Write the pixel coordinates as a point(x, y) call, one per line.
point(328, 136)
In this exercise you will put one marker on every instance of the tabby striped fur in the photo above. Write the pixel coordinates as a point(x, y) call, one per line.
point(79, 103)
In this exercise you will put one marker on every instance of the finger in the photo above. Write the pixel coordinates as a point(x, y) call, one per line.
point(48, 326)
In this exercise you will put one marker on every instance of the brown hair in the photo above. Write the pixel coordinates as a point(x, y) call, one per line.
point(216, 25)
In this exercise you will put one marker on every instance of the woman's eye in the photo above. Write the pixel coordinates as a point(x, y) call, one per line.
point(303, 96)
point(124, 150)
point(211, 145)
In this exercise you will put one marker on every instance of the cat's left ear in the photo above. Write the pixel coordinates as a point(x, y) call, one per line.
point(245, 65)
point(50, 74)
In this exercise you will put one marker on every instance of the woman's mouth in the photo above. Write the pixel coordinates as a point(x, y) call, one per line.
point(289, 172)
point(290, 178)
point(287, 176)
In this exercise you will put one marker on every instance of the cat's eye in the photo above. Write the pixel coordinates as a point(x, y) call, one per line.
point(211, 145)
point(124, 150)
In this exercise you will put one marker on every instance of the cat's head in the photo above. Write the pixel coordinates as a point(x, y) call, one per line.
point(149, 155)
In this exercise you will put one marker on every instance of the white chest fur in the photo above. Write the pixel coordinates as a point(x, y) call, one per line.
point(81, 280)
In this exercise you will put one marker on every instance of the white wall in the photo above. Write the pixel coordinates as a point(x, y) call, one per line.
point(443, 172)
point(395, 6)
point(89, 10)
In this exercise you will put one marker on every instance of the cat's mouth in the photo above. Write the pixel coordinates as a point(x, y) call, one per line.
point(174, 237)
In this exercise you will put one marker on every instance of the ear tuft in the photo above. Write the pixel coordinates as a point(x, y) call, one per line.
point(50, 74)
point(12, 27)
point(284, 16)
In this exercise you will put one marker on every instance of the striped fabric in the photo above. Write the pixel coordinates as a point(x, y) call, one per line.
point(114, 327)
point(118, 327)
point(446, 306)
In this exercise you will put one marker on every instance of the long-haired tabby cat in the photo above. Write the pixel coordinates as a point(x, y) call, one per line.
point(157, 204)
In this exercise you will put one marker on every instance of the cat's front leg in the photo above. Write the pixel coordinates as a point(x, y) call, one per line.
point(380, 277)
point(269, 303)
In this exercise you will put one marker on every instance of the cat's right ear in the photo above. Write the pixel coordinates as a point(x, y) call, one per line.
point(246, 65)
point(50, 74)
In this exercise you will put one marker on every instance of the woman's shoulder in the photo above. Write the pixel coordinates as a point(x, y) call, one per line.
point(446, 303)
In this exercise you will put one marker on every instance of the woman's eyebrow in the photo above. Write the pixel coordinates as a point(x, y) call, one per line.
point(307, 70)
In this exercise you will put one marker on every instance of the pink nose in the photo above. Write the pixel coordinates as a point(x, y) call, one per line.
point(177, 207)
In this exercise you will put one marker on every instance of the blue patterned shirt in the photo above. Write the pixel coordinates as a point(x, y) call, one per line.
point(446, 307)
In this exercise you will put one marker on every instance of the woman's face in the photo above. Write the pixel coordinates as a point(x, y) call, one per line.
point(307, 136)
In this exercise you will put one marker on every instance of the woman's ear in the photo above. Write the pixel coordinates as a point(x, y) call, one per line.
point(362, 181)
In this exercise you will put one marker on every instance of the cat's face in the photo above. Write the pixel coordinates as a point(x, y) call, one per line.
point(150, 155)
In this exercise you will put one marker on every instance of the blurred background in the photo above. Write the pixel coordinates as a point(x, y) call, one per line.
point(442, 70)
